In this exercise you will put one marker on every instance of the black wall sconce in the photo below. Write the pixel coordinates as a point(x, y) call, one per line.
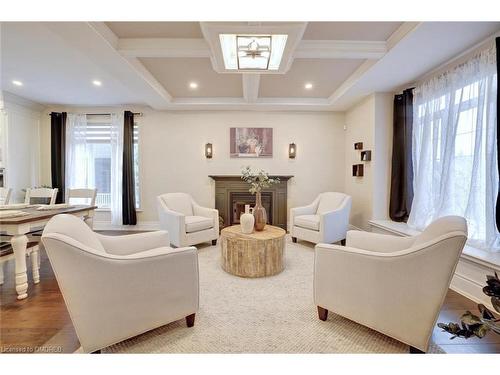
point(292, 150)
point(208, 151)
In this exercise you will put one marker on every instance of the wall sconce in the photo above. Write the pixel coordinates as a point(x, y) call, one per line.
point(292, 150)
point(208, 151)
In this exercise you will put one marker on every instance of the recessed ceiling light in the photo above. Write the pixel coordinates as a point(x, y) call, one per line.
point(193, 85)
point(96, 82)
point(308, 86)
point(17, 83)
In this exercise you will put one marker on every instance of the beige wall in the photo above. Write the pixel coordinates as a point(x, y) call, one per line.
point(172, 152)
point(360, 128)
point(370, 122)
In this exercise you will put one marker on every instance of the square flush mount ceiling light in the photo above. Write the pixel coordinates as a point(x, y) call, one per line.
point(252, 52)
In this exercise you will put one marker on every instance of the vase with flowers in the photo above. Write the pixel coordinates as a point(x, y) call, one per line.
point(258, 180)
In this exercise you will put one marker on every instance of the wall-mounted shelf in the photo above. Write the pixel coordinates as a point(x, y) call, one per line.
point(357, 170)
point(366, 155)
point(358, 146)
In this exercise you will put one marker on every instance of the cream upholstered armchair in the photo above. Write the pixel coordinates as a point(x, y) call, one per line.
point(325, 220)
point(394, 285)
point(117, 287)
point(187, 222)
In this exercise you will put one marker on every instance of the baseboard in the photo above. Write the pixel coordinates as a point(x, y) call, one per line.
point(143, 225)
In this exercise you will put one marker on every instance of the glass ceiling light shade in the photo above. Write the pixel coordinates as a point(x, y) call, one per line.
point(252, 52)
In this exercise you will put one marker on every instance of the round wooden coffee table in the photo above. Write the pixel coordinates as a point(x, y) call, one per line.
point(257, 254)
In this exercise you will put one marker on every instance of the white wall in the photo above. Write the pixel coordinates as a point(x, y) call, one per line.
point(172, 152)
point(22, 162)
point(370, 122)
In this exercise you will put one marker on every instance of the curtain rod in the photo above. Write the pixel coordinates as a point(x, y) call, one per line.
point(106, 114)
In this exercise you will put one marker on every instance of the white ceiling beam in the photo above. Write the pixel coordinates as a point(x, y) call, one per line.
point(163, 47)
point(251, 84)
point(401, 33)
point(313, 49)
point(340, 49)
point(160, 97)
point(98, 44)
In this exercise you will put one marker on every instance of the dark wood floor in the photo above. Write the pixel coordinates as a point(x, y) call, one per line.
point(41, 322)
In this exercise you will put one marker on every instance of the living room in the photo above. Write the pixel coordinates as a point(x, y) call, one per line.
point(331, 185)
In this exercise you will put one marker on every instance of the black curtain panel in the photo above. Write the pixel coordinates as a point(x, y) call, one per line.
point(58, 152)
point(129, 214)
point(402, 167)
point(497, 41)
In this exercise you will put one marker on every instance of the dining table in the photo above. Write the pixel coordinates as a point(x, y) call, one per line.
point(18, 227)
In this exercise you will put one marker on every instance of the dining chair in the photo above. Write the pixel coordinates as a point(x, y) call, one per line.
point(5, 194)
point(82, 196)
point(47, 193)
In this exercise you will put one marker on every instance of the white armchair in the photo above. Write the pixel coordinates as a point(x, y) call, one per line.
point(325, 220)
point(187, 222)
point(394, 285)
point(117, 287)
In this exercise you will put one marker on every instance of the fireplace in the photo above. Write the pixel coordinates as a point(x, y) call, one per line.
point(231, 195)
point(238, 200)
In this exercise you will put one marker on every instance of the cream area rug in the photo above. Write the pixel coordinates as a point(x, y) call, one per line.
point(265, 315)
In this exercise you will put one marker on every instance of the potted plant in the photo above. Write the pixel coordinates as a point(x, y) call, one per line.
point(258, 180)
point(473, 325)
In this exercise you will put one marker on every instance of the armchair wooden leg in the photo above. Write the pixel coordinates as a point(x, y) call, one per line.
point(414, 350)
point(214, 242)
point(190, 320)
point(294, 239)
point(322, 313)
point(342, 242)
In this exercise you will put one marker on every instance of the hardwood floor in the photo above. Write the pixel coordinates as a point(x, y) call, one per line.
point(41, 323)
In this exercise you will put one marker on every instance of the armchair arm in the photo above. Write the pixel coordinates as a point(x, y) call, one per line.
point(333, 225)
point(111, 298)
point(377, 242)
point(304, 210)
point(134, 243)
point(171, 221)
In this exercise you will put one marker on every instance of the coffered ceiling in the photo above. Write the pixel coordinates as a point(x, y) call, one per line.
point(326, 66)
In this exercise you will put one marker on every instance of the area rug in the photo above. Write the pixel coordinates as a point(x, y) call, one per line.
point(265, 315)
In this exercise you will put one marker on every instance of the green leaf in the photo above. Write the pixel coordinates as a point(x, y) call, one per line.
point(481, 330)
point(470, 319)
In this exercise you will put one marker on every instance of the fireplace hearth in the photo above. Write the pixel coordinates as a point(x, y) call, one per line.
point(231, 195)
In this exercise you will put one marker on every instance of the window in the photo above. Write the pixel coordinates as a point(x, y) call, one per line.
point(454, 149)
point(90, 157)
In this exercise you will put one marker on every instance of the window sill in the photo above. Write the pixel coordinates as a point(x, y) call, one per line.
point(473, 254)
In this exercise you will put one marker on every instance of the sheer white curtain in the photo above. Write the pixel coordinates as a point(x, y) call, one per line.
point(79, 164)
point(454, 149)
point(116, 168)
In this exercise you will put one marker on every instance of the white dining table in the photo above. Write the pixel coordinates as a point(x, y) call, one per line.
point(19, 226)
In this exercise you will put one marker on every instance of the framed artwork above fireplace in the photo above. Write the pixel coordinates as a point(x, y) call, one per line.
point(251, 142)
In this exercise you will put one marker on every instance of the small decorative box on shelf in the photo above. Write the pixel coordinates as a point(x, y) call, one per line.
point(358, 146)
point(357, 170)
point(366, 155)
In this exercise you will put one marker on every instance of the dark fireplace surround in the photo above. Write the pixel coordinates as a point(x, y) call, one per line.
point(231, 195)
